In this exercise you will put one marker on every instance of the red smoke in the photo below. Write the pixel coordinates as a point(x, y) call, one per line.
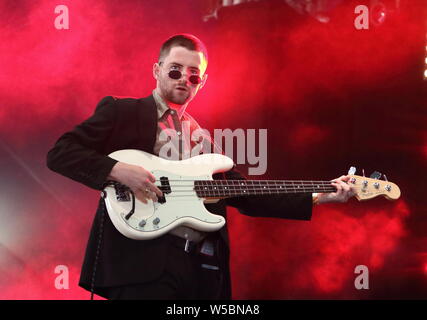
point(312, 259)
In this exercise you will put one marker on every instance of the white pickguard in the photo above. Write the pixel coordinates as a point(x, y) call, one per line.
point(182, 206)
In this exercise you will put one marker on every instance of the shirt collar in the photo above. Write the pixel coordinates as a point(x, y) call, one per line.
point(162, 106)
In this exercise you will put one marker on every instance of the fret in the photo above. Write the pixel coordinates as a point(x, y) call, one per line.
point(243, 187)
point(205, 188)
point(223, 189)
point(214, 188)
point(253, 186)
point(248, 187)
point(210, 191)
point(281, 186)
point(237, 188)
point(263, 187)
point(259, 187)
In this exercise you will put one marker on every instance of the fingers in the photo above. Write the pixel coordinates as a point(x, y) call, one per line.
point(140, 195)
point(150, 186)
point(144, 195)
point(344, 190)
point(339, 188)
point(342, 178)
point(151, 177)
point(147, 189)
point(154, 189)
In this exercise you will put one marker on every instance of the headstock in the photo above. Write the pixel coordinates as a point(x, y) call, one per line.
point(368, 188)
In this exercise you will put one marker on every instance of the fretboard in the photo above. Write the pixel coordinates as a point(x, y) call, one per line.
point(232, 188)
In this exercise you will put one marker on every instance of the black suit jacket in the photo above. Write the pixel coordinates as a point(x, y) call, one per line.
point(81, 154)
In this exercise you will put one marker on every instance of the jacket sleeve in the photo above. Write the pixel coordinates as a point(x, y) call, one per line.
point(286, 206)
point(78, 154)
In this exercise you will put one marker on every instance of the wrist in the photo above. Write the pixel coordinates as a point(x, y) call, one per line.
point(114, 172)
point(315, 199)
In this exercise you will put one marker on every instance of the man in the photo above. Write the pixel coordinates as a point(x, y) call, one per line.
point(186, 263)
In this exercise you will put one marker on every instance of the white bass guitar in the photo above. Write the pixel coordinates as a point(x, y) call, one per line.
point(187, 185)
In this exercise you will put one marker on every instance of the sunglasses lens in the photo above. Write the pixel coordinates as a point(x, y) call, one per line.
point(195, 79)
point(175, 74)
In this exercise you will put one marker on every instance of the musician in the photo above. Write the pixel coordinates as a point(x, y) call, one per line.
point(186, 263)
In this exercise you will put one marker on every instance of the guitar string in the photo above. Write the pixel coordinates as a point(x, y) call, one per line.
point(238, 188)
point(239, 192)
point(242, 194)
point(249, 181)
point(229, 188)
point(242, 185)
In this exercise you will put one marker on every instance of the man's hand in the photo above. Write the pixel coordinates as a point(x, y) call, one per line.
point(344, 191)
point(139, 180)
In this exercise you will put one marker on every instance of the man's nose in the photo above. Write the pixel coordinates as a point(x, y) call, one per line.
point(184, 78)
point(184, 74)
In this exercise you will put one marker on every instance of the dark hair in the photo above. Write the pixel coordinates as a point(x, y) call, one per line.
point(185, 40)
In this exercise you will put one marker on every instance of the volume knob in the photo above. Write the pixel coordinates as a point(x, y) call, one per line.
point(156, 221)
point(142, 223)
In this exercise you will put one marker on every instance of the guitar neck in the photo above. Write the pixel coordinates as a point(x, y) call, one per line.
point(233, 188)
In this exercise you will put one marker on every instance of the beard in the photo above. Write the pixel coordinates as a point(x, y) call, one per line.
point(177, 97)
point(171, 94)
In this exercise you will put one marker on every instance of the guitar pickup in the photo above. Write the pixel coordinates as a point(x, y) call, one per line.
point(165, 188)
point(122, 192)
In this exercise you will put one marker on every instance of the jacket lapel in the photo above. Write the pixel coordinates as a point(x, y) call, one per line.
point(147, 113)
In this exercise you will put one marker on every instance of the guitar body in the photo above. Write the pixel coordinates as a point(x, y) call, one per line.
point(180, 204)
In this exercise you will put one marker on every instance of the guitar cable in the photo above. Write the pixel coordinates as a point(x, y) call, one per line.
point(98, 248)
point(101, 231)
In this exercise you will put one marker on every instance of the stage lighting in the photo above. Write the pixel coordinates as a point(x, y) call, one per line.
point(211, 7)
point(378, 13)
point(318, 9)
point(425, 59)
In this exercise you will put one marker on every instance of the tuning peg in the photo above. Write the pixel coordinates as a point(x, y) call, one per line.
point(376, 175)
point(385, 177)
point(363, 172)
point(352, 171)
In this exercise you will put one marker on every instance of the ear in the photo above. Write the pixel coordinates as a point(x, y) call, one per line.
point(156, 70)
point(204, 79)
